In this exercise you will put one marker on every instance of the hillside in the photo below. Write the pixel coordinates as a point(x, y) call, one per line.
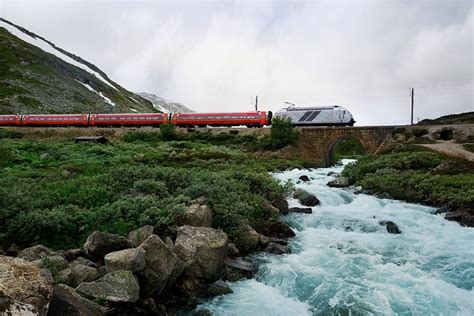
point(36, 76)
point(461, 118)
point(164, 105)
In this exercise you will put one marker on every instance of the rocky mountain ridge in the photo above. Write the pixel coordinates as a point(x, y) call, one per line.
point(36, 76)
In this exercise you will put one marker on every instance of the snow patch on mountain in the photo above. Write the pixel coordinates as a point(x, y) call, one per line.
point(164, 105)
point(47, 47)
point(106, 100)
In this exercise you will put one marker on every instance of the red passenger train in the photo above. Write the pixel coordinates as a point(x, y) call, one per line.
point(249, 119)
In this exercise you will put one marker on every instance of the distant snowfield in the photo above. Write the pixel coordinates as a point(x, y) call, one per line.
point(106, 100)
point(50, 49)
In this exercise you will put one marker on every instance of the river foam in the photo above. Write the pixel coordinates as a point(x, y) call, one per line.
point(345, 263)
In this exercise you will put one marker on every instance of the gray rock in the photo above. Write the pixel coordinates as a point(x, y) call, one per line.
point(305, 198)
point(304, 210)
point(55, 263)
point(198, 215)
point(392, 228)
point(139, 235)
point(13, 250)
point(275, 228)
point(238, 268)
point(270, 211)
point(169, 242)
point(79, 274)
point(202, 250)
point(98, 244)
point(277, 249)
point(132, 259)
point(117, 286)
point(232, 250)
point(219, 288)
point(35, 253)
point(83, 261)
point(162, 266)
point(66, 301)
point(281, 205)
point(46, 273)
point(247, 240)
point(22, 283)
point(72, 254)
point(304, 178)
point(339, 182)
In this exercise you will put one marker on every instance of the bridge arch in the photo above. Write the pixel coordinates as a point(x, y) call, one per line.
point(334, 144)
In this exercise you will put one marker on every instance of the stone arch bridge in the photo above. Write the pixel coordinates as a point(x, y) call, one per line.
point(316, 144)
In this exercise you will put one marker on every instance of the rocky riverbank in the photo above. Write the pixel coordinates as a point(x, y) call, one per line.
point(141, 274)
point(417, 175)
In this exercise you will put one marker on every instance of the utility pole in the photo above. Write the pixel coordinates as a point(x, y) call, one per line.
point(412, 103)
point(256, 103)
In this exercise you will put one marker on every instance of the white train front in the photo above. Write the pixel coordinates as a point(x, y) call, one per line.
point(334, 115)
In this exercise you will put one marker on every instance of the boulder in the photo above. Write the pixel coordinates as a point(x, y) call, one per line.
point(305, 198)
point(304, 210)
point(117, 286)
point(247, 240)
point(139, 235)
point(202, 250)
point(238, 268)
point(275, 228)
point(83, 261)
point(270, 211)
point(277, 249)
point(392, 228)
point(66, 301)
point(455, 215)
point(281, 205)
point(339, 182)
point(35, 253)
point(13, 250)
point(198, 215)
point(21, 283)
point(169, 242)
point(232, 250)
point(98, 244)
point(55, 263)
point(219, 288)
point(132, 259)
point(331, 173)
point(304, 178)
point(162, 266)
point(72, 254)
point(467, 220)
point(78, 274)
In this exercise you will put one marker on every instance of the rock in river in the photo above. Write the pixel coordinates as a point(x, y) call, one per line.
point(392, 228)
point(305, 198)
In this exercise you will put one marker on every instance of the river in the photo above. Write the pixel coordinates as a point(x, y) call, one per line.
point(344, 262)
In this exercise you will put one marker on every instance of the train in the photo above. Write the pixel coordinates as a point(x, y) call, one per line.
point(305, 116)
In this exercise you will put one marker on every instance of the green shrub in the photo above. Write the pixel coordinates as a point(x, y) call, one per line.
point(168, 132)
point(282, 133)
point(141, 136)
point(6, 133)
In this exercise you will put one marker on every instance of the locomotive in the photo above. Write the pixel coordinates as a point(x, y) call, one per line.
point(334, 115)
point(302, 116)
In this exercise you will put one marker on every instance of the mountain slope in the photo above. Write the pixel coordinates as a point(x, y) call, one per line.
point(164, 105)
point(38, 77)
point(461, 118)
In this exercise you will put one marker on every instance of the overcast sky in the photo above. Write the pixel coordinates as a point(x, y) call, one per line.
point(217, 55)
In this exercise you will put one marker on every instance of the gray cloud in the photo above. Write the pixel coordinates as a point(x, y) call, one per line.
point(214, 56)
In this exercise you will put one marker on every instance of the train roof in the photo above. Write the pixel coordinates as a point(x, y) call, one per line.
point(312, 108)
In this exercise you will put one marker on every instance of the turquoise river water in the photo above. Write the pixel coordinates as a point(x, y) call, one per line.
point(344, 263)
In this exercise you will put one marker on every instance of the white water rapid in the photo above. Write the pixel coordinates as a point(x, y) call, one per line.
point(344, 262)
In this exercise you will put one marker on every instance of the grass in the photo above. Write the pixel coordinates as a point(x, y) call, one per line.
point(56, 192)
point(417, 175)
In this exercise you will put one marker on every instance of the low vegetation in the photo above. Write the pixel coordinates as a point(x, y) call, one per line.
point(417, 175)
point(56, 192)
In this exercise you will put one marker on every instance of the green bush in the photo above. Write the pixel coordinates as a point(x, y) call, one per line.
point(141, 136)
point(6, 133)
point(168, 132)
point(282, 133)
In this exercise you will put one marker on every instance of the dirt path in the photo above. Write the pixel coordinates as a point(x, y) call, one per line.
point(451, 149)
